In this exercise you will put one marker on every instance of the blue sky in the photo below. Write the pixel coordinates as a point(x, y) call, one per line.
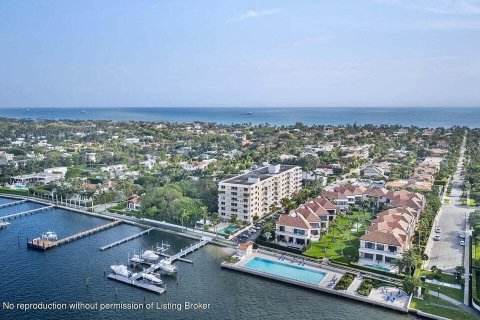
point(240, 53)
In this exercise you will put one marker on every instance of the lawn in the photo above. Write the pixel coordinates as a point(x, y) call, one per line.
point(456, 294)
point(441, 308)
point(340, 238)
point(476, 255)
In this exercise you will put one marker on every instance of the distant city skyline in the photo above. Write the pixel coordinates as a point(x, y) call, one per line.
point(240, 53)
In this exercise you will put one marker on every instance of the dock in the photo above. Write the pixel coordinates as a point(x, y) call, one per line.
point(136, 283)
point(190, 249)
point(13, 203)
point(26, 213)
point(170, 257)
point(41, 244)
point(116, 243)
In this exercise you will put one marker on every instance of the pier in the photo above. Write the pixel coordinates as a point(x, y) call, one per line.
point(136, 283)
point(14, 203)
point(116, 243)
point(26, 213)
point(41, 244)
point(190, 249)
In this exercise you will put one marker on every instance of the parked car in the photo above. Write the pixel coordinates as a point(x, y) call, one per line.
point(438, 229)
point(462, 235)
point(437, 237)
point(462, 243)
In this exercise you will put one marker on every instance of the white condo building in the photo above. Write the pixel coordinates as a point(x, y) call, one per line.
point(253, 193)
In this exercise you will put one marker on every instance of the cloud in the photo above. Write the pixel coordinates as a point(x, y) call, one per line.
point(255, 14)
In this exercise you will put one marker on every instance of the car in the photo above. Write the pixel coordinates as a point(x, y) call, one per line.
point(437, 237)
point(462, 235)
point(462, 243)
point(438, 229)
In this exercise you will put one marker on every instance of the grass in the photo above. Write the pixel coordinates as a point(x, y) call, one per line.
point(453, 293)
point(14, 192)
point(441, 308)
point(476, 255)
point(471, 202)
point(340, 237)
point(446, 201)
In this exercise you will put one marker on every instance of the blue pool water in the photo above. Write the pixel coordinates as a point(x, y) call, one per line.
point(378, 267)
point(285, 270)
point(229, 228)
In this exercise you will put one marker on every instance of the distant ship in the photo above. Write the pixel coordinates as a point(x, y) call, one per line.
point(247, 114)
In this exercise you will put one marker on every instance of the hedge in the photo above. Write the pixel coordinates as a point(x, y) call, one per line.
point(373, 270)
point(277, 246)
point(13, 191)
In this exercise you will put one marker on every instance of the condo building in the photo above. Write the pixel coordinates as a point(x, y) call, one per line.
point(252, 194)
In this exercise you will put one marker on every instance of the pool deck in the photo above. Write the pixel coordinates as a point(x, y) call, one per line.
point(376, 297)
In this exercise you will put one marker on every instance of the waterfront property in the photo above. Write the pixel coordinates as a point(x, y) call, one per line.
point(252, 194)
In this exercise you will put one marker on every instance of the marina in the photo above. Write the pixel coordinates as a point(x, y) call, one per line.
point(26, 213)
point(119, 242)
point(45, 244)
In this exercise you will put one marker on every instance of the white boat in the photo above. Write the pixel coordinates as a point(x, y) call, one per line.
point(152, 278)
point(149, 255)
point(50, 236)
point(163, 248)
point(167, 267)
point(121, 270)
point(136, 259)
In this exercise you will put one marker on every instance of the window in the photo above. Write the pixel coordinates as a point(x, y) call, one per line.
point(234, 210)
point(223, 213)
point(245, 217)
point(369, 245)
point(245, 205)
point(234, 204)
point(223, 187)
point(380, 247)
point(223, 203)
point(392, 249)
point(234, 188)
point(282, 228)
point(245, 189)
point(299, 231)
point(234, 193)
point(222, 208)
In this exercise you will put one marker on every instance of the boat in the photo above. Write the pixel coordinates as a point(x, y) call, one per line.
point(149, 255)
point(152, 278)
point(136, 259)
point(167, 267)
point(121, 270)
point(49, 235)
point(163, 248)
point(4, 224)
point(247, 114)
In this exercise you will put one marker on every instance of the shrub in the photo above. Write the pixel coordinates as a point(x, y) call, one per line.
point(345, 281)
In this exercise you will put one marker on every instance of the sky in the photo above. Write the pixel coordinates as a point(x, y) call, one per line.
point(239, 53)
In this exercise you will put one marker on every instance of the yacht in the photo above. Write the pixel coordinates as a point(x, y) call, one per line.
point(50, 236)
point(136, 259)
point(121, 270)
point(152, 278)
point(167, 267)
point(149, 255)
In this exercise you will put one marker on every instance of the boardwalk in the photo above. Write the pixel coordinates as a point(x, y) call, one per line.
point(136, 283)
point(14, 203)
point(25, 213)
point(41, 244)
point(190, 249)
point(116, 243)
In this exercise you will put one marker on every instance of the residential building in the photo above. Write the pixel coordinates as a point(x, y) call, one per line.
point(252, 194)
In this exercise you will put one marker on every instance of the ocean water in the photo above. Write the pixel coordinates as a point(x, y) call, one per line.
point(75, 272)
point(408, 116)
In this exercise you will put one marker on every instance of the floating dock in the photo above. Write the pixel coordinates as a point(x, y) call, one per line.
point(116, 243)
point(26, 213)
point(14, 203)
point(41, 244)
point(136, 283)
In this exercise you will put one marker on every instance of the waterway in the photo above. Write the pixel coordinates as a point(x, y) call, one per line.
point(76, 272)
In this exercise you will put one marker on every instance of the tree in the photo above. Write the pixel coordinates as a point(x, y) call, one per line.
point(267, 235)
point(287, 205)
point(233, 219)
point(410, 284)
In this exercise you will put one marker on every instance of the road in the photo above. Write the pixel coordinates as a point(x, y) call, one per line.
point(447, 253)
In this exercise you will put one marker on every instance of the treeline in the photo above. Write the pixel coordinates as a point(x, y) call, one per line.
point(472, 167)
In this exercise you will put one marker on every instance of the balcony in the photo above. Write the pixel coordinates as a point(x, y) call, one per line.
point(291, 234)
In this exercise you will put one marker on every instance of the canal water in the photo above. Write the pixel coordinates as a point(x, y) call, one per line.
point(75, 272)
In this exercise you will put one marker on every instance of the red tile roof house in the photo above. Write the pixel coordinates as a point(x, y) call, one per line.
point(388, 237)
point(305, 224)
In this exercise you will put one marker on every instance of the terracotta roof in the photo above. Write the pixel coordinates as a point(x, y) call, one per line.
point(245, 245)
point(296, 222)
point(388, 238)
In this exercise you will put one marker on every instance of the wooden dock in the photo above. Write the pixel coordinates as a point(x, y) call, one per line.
point(40, 244)
point(13, 203)
point(190, 249)
point(116, 243)
point(26, 213)
point(170, 257)
point(136, 283)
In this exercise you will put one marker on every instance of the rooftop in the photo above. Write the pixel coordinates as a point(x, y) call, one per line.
point(258, 175)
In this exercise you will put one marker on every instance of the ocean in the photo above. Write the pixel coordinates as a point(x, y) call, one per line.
point(405, 116)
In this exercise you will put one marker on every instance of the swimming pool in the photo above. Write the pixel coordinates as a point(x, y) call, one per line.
point(282, 269)
point(230, 230)
point(378, 267)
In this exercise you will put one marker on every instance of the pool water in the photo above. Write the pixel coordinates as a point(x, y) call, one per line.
point(290, 271)
point(373, 266)
point(229, 228)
